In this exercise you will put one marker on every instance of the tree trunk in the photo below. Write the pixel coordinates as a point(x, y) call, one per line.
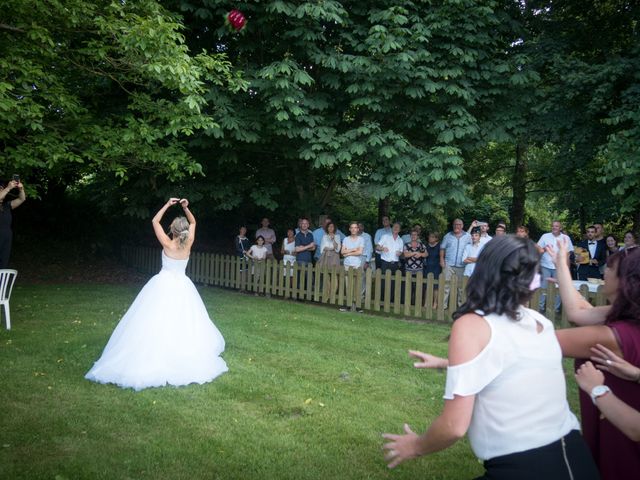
point(518, 186)
point(328, 193)
point(383, 209)
point(583, 219)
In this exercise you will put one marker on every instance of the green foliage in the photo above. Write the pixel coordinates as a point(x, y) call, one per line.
point(405, 98)
point(386, 94)
point(588, 57)
point(88, 87)
point(621, 153)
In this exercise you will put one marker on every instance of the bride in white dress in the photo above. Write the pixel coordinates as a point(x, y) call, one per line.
point(166, 336)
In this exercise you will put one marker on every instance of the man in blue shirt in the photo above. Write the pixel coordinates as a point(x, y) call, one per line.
point(451, 251)
point(304, 243)
point(368, 247)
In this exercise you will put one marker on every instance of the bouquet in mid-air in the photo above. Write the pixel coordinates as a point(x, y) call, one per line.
point(236, 20)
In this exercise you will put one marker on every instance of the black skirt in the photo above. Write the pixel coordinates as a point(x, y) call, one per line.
point(565, 459)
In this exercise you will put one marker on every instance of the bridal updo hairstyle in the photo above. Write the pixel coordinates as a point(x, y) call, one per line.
point(180, 229)
point(502, 278)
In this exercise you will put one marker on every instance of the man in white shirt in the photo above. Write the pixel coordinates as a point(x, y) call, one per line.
point(548, 269)
point(385, 230)
point(390, 248)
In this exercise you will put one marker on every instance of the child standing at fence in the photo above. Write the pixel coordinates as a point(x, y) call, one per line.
point(258, 253)
point(289, 252)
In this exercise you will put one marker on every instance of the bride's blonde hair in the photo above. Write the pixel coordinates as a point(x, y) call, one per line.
point(180, 229)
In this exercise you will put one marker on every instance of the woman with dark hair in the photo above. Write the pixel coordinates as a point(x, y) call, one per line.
point(505, 382)
point(615, 327)
point(166, 337)
point(330, 246)
point(612, 246)
point(288, 253)
point(630, 240)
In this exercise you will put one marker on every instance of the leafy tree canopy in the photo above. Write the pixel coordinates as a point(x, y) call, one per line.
point(89, 87)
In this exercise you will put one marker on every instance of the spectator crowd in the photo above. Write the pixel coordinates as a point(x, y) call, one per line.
point(454, 254)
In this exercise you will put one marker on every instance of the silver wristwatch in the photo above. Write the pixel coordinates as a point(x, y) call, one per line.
point(599, 391)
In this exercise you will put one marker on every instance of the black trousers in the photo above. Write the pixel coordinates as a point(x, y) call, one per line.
point(6, 239)
point(588, 271)
point(392, 267)
point(564, 459)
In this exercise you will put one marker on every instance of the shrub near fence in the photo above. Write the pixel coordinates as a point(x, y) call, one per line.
point(403, 294)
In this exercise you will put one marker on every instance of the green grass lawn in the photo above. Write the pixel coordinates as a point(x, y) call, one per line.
point(308, 393)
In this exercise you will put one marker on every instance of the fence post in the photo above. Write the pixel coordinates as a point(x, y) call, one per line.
point(428, 301)
point(358, 287)
point(309, 289)
point(296, 280)
point(397, 291)
point(387, 291)
point(417, 312)
point(367, 289)
point(268, 268)
point(453, 296)
point(600, 299)
point(317, 296)
point(377, 291)
point(341, 276)
point(407, 280)
point(350, 288)
point(550, 302)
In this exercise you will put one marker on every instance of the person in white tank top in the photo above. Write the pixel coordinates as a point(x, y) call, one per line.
point(505, 383)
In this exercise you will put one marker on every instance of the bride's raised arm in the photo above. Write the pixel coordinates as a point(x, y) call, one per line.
point(162, 237)
point(184, 203)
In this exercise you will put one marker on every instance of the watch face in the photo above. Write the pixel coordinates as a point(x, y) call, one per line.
point(599, 391)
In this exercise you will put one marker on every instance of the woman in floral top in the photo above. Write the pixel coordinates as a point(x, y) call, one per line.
point(414, 253)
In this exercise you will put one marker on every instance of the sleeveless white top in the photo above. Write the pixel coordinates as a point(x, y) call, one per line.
point(519, 384)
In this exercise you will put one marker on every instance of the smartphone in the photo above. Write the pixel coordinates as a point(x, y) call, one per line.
point(16, 177)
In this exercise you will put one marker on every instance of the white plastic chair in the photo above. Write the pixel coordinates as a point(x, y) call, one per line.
point(7, 279)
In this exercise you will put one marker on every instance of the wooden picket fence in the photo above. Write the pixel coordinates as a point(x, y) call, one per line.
point(402, 294)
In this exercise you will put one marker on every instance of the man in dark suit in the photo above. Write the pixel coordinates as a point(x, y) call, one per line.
point(593, 256)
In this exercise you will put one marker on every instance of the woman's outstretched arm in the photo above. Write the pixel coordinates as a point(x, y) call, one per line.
point(470, 334)
point(579, 310)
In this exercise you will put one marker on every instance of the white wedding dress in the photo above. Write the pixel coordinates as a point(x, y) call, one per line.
point(166, 336)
